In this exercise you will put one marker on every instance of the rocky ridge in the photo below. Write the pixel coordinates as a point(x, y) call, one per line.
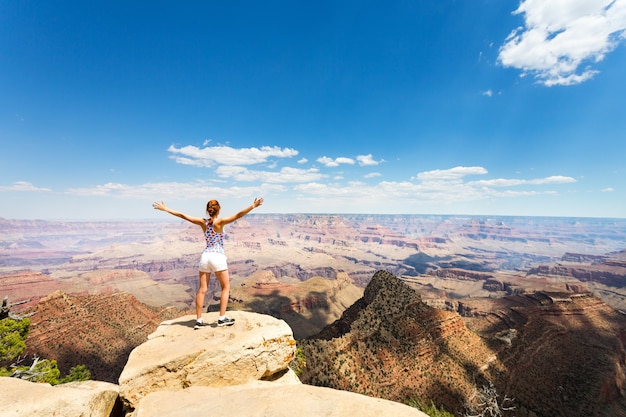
point(555, 353)
point(390, 344)
point(98, 331)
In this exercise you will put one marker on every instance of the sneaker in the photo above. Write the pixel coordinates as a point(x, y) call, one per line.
point(198, 325)
point(226, 321)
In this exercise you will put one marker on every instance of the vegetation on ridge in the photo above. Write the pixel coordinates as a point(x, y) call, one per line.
point(13, 333)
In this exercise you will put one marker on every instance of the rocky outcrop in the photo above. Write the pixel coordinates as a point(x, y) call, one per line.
point(176, 356)
point(76, 399)
point(269, 399)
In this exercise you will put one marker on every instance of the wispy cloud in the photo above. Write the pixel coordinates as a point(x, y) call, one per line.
point(445, 186)
point(226, 155)
point(285, 175)
point(440, 185)
point(561, 40)
point(372, 175)
point(175, 190)
point(451, 174)
point(556, 179)
point(22, 186)
point(233, 178)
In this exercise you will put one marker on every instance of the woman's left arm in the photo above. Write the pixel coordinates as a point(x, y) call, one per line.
point(226, 220)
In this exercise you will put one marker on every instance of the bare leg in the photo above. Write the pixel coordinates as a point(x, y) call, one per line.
point(224, 280)
point(202, 289)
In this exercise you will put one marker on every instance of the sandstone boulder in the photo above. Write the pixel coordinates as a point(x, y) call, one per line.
point(267, 399)
point(22, 398)
point(176, 356)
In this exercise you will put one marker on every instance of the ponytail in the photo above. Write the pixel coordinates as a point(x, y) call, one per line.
point(213, 208)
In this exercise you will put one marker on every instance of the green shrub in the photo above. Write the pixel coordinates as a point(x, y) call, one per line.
point(77, 373)
point(12, 336)
point(298, 363)
point(431, 409)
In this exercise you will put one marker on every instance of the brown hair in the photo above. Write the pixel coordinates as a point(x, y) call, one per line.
point(213, 208)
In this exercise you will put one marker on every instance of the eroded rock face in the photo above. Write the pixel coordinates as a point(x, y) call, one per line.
point(28, 399)
point(98, 331)
point(390, 344)
point(176, 356)
point(556, 353)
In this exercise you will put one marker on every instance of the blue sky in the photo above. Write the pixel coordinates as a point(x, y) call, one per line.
point(426, 107)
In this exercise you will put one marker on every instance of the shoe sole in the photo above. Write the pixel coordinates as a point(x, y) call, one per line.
point(230, 323)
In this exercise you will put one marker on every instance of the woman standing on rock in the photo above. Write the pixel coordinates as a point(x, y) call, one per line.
point(213, 258)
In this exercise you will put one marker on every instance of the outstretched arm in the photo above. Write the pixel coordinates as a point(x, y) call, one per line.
point(221, 222)
point(195, 220)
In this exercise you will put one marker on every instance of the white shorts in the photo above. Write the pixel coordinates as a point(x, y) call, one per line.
point(213, 262)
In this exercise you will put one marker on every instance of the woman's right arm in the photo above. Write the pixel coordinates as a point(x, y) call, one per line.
point(195, 220)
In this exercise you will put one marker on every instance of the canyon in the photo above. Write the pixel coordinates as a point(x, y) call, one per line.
point(489, 291)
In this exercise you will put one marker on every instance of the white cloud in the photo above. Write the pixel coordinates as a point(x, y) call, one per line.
point(431, 188)
point(488, 93)
point(366, 160)
point(22, 186)
point(363, 160)
point(372, 175)
point(285, 175)
point(299, 187)
point(562, 39)
point(500, 182)
point(344, 160)
point(455, 173)
point(226, 155)
point(332, 163)
point(608, 190)
point(168, 190)
point(327, 162)
point(303, 161)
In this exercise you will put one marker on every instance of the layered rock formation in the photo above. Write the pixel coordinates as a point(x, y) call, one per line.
point(568, 357)
point(306, 306)
point(555, 353)
point(98, 331)
point(28, 286)
point(606, 273)
point(392, 345)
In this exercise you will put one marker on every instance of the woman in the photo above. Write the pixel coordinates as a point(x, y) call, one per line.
point(213, 258)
